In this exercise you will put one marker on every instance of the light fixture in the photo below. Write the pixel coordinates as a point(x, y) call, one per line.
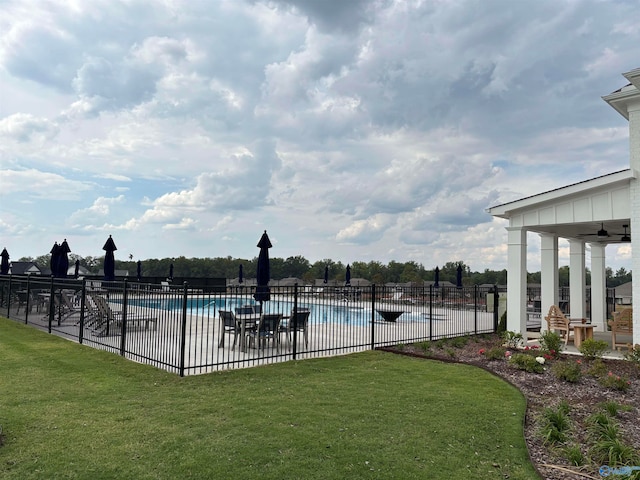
point(625, 237)
point(602, 232)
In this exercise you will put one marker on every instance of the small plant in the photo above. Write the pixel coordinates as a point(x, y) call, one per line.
point(613, 408)
point(513, 339)
point(459, 342)
point(401, 346)
point(598, 368)
point(615, 382)
point(592, 349)
point(551, 343)
point(574, 455)
point(495, 353)
point(555, 424)
point(424, 346)
point(451, 352)
point(613, 451)
point(567, 371)
point(525, 362)
point(633, 355)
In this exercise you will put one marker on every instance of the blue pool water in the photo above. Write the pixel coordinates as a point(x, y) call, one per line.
point(320, 312)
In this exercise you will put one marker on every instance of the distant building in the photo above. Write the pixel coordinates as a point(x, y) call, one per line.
point(24, 268)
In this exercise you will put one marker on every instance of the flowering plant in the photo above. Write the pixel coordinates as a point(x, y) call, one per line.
point(507, 353)
point(481, 352)
point(540, 360)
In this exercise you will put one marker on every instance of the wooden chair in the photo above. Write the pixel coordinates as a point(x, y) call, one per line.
point(558, 322)
point(622, 324)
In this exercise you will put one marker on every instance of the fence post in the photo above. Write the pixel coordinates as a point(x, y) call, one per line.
point(475, 308)
point(183, 334)
point(431, 312)
point(373, 323)
point(28, 303)
point(123, 337)
point(495, 308)
point(294, 315)
point(9, 297)
point(83, 303)
point(52, 310)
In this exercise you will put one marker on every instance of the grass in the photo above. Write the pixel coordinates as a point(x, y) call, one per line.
point(68, 411)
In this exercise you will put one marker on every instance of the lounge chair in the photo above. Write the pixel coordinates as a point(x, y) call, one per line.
point(108, 316)
point(558, 322)
point(622, 324)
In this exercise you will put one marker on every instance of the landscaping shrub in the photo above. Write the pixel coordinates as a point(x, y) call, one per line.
point(525, 362)
point(574, 455)
point(513, 339)
point(615, 382)
point(502, 324)
point(633, 355)
point(495, 353)
point(612, 408)
point(555, 423)
point(551, 343)
point(592, 349)
point(569, 371)
point(597, 368)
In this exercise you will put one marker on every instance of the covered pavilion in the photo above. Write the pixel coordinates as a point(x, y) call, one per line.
point(598, 212)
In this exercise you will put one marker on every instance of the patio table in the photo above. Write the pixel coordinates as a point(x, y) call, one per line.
point(246, 319)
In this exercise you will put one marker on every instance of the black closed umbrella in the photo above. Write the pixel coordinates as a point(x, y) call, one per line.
point(326, 274)
point(459, 277)
point(437, 282)
point(55, 258)
point(139, 271)
point(264, 270)
point(63, 259)
point(240, 274)
point(348, 276)
point(171, 272)
point(109, 260)
point(4, 265)
point(76, 271)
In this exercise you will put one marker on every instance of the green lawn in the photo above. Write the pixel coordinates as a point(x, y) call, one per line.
point(68, 411)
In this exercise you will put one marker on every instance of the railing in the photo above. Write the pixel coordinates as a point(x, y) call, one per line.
point(179, 328)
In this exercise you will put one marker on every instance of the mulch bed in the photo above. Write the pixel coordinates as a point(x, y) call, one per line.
point(545, 390)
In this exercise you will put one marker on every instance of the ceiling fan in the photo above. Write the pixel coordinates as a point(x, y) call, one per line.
point(602, 233)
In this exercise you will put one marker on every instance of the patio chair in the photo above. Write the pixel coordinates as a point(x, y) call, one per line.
point(297, 322)
point(229, 325)
point(267, 329)
point(558, 322)
point(622, 324)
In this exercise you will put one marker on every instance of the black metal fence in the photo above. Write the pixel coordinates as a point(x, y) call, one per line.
point(180, 328)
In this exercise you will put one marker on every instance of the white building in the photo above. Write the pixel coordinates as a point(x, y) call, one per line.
point(597, 212)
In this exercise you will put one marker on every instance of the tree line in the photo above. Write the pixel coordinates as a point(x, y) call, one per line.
point(299, 267)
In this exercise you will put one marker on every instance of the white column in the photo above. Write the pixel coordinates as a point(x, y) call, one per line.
point(517, 280)
point(598, 287)
point(634, 193)
point(549, 282)
point(577, 279)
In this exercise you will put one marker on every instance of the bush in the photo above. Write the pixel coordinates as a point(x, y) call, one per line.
point(568, 371)
point(615, 382)
point(551, 343)
point(495, 353)
point(525, 362)
point(513, 339)
point(597, 368)
point(633, 355)
point(502, 324)
point(574, 455)
point(592, 349)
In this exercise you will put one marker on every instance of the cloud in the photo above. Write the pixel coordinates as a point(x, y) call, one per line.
point(33, 184)
point(24, 127)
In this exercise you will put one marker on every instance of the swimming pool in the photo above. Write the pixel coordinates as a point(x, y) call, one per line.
point(321, 312)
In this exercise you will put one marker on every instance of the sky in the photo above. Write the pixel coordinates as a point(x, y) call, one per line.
point(360, 130)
